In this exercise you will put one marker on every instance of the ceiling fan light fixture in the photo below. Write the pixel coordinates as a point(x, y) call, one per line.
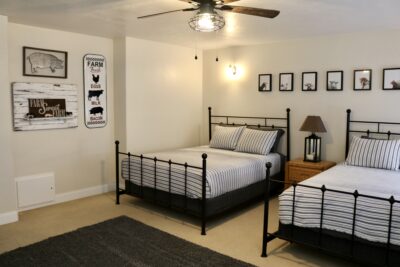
point(207, 22)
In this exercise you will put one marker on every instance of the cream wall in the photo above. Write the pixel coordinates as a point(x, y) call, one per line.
point(163, 96)
point(7, 185)
point(342, 52)
point(120, 91)
point(80, 157)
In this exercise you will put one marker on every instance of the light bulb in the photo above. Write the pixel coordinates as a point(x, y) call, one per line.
point(205, 21)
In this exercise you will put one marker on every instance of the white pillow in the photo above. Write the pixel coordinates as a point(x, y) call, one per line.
point(226, 137)
point(374, 153)
point(256, 142)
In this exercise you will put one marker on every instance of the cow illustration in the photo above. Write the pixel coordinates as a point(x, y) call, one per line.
point(333, 85)
point(95, 93)
point(96, 110)
point(309, 86)
point(44, 61)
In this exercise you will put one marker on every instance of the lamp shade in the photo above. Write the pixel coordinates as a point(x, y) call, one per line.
point(313, 124)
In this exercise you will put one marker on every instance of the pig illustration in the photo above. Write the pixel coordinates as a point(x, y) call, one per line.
point(96, 110)
point(44, 61)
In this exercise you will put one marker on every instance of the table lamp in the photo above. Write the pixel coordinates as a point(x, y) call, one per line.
point(312, 143)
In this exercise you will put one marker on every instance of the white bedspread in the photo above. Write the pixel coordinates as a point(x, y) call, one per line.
point(226, 170)
point(372, 217)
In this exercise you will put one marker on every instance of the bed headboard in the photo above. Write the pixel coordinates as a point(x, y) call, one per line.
point(261, 122)
point(370, 127)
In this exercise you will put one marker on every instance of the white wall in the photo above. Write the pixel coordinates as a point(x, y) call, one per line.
point(80, 157)
point(344, 52)
point(7, 185)
point(120, 91)
point(163, 96)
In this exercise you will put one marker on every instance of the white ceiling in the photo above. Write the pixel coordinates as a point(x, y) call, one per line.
point(116, 18)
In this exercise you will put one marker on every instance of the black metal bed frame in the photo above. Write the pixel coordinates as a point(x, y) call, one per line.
point(267, 237)
point(227, 121)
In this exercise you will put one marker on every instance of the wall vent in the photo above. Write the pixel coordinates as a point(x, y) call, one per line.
point(35, 189)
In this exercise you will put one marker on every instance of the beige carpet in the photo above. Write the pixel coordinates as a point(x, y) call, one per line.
point(237, 234)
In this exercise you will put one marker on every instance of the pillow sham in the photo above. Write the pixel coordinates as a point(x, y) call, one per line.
point(279, 134)
point(374, 153)
point(256, 141)
point(226, 137)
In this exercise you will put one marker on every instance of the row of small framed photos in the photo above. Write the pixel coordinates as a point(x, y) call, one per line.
point(334, 80)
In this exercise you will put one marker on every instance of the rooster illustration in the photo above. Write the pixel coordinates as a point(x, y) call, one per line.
point(95, 78)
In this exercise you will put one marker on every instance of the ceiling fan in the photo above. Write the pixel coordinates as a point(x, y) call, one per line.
point(208, 20)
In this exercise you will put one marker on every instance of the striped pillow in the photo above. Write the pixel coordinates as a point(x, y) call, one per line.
point(226, 137)
point(374, 153)
point(256, 142)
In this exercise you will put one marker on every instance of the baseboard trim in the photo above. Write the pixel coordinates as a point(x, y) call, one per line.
point(8, 217)
point(73, 195)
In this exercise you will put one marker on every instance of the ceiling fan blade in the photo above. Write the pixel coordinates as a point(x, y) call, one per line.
point(166, 12)
point(266, 13)
point(198, 2)
point(227, 1)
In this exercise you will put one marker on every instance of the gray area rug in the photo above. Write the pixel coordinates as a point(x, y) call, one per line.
point(117, 242)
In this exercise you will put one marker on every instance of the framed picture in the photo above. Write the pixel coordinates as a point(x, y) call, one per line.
point(265, 82)
point(362, 79)
point(334, 80)
point(44, 62)
point(286, 82)
point(391, 79)
point(309, 81)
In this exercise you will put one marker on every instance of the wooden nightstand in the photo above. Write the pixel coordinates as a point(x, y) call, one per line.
point(299, 170)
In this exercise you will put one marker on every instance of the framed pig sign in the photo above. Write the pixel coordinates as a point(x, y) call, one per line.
point(95, 90)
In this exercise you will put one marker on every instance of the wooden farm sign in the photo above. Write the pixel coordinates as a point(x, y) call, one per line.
point(39, 106)
point(46, 108)
point(95, 88)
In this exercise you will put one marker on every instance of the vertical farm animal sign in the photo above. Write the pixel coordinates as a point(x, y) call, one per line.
point(95, 83)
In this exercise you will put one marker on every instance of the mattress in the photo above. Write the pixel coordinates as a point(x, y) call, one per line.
point(372, 217)
point(226, 171)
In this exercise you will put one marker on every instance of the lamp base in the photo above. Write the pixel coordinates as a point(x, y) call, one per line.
point(312, 148)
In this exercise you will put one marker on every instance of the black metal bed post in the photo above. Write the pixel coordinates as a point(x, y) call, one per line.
point(209, 123)
point(268, 166)
point(288, 134)
point(117, 172)
point(203, 195)
point(348, 131)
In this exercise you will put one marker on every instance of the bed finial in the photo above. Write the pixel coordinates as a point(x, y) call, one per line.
point(348, 111)
point(288, 110)
point(204, 156)
point(268, 165)
point(117, 142)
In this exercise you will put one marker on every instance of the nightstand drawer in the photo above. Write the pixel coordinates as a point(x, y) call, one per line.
point(298, 170)
point(300, 174)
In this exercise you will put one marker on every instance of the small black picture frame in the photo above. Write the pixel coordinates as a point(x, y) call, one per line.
point(39, 62)
point(309, 81)
point(334, 80)
point(265, 82)
point(391, 79)
point(286, 82)
point(362, 80)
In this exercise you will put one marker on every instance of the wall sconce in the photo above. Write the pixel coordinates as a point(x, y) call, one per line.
point(233, 69)
point(234, 72)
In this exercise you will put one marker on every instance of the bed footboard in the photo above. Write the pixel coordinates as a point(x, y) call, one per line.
point(170, 164)
point(387, 249)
